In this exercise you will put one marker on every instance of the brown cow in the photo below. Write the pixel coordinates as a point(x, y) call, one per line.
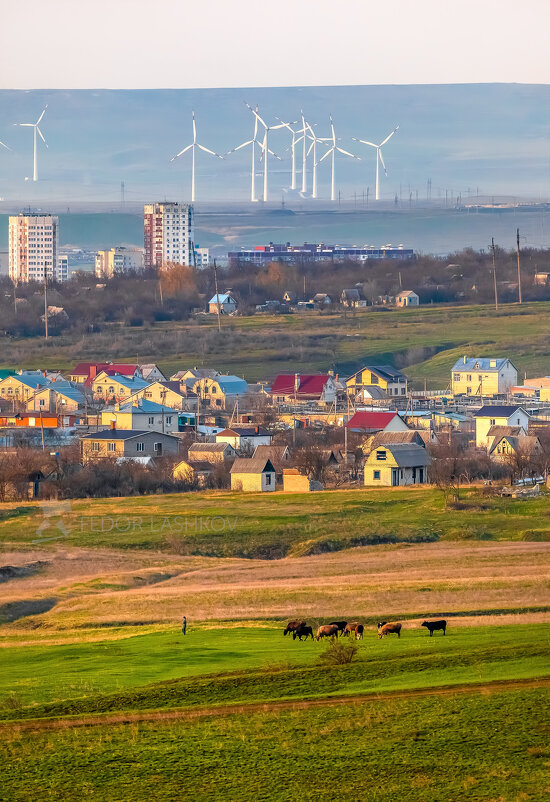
point(356, 628)
point(389, 629)
point(292, 626)
point(327, 631)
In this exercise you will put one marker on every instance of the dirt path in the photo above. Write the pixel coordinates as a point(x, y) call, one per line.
point(269, 707)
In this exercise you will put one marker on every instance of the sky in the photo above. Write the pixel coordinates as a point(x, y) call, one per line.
point(79, 44)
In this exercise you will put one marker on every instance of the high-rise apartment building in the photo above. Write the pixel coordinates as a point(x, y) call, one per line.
point(168, 234)
point(118, 260)
point(33, 247)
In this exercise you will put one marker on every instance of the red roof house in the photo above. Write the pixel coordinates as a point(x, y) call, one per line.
point(305, 387)
point(368, 421)
point(85, 372)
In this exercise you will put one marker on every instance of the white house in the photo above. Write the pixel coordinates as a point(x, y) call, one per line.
point(142, 415)
point(244, 439)
point(498, 415)
point(483, 376)
point(407, 298)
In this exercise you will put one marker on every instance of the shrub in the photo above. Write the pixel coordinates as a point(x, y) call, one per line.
point(339, 653)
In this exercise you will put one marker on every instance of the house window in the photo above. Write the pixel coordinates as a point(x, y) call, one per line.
point(42, 402)
point(376, 474)
point(169, 419)
point(157, 448)
point(151, 419)
point(403, 391)
point(381, 455)
point(469, 377)
point(95, 446)
point(268, 478)
point(213, 389)
point(111, 446)
point(492, 421)
point(373, 379)
point(140, 446)
point(457, 377)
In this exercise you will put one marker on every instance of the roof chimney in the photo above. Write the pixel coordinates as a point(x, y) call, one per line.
point(464, 358)
point(113, 425)
point(93, 371)
point(257, 430)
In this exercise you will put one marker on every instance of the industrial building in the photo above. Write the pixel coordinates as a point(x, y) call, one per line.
point(261, 254)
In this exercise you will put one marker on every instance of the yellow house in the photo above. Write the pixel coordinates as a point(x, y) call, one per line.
point(109, 386)
point(396, 465)
point(498, 415)
point(484, 376)
point(387, 378)
point(254, 475)
point(166, 394)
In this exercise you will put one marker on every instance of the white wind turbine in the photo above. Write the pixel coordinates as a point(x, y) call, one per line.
point(193, 146)
point(332, 150)
point(265, 147)
point(313, 147)
point(379, 157)
point(36, 130)
point(253, 142)
point(295, 141)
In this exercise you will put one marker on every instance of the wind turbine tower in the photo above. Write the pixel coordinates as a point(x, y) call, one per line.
point(41, 135)
point(193, 147)
point(379, 157)
point(252, 142)
point(332, 150)
point(265, 146)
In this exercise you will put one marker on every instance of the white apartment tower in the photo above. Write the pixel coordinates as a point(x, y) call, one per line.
point(168, 234)
point(33, 248)
point(118, 260)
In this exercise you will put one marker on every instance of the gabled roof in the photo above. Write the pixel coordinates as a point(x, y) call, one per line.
point(32, 380)
point(408, 455)
point(222, 298)
point(147, 369)
point(396, 438)
point(252, 465)
point(308, 384)
point(406, 293)
point(143, 405)
point(504, 431)
point(371, 421)
point(526, 444)
point(83, 368)
point(67, 390)
point(210, 448)
point(479, 363)
point(195, 373)
point(276, 454)
point(387, 372)
point(497, 411)
point(245, 431)
point(232, 385)
point(123, 434)
point(125, 381)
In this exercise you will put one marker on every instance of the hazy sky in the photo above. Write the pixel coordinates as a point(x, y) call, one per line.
point(218, 43)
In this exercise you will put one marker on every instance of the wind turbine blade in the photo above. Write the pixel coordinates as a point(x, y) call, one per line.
point(364, 141)
point(181, 153)
point(25, 125)
point(347, 153)
point(206, 150)
point(4, 146)
point(389, 136)
point(41, 136)
point(43, 113)
point(382, 160)
point(243, 145)
point(274, 154)
point(194, 127)
point(255, 113)
point(324, 156)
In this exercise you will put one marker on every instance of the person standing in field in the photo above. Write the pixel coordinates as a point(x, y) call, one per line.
point(184, 625)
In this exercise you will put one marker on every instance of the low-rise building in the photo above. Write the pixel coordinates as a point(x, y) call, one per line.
point(385, 377)
point(244, 439)
point(407, 298)
point(253, 475)
point(223, 302)
point(220, 392)
point(507, 446)
point(141, 415)
point(110, 386)
point(372, 422)
point(211, 452)
point(168, 394)
point(295, 387)
point(127, 444)
point(397, 465)
point(122, 259)
point(483, 376)
point(498, 415)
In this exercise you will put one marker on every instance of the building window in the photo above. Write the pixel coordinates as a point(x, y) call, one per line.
point(169, 420)
point(268, 478)
point(376, 474)
point(381, 455)
point(111, 446)
point(469, 377)
point(456, 377)
point(140, 446)
point(95, 446)
point(492, 421)
point(151, 419)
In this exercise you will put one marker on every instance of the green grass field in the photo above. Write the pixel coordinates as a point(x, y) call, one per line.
point(427, 340)
point(225, 524)
point(474, 747)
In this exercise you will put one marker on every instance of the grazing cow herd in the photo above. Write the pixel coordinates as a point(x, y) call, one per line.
point(300, 629)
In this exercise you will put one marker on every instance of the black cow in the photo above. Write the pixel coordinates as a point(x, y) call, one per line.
point(340, 624)
point(433, 625)
point(303, 632)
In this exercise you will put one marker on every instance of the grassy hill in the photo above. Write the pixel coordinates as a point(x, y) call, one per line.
point(426, 341)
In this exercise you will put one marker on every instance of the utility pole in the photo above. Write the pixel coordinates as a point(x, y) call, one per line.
point(494, 272)
point(217, 293)
point(519, 269)
point(45, 303)
point(122, 194)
